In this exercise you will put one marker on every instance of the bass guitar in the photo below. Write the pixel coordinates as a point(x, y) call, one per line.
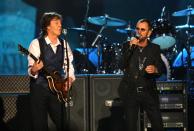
point(55, 81)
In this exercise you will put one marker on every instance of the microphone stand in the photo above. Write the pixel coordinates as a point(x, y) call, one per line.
point(68, 99)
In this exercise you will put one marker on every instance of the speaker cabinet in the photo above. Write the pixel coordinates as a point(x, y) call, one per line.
point(78, 106)
point(15, 111)
point(14, 103)
point(105, 106)
point(14, 84)
point(79, 111)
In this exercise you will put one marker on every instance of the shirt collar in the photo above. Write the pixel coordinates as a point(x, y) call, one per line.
point(49, 42)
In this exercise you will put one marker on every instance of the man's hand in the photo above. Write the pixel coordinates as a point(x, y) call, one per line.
point(38, 65)
point(67, 85)
point(151, 69)
point(134, 41)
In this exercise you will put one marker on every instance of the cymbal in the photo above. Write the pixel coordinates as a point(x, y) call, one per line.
point(81, 29)
point(125, 31)
point(184, 26)
point(185, 12)
point(106, 21)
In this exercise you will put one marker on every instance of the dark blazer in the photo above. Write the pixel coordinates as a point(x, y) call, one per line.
point(152, 53)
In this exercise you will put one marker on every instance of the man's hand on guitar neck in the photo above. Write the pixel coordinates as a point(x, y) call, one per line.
point(68, 85)
point(36, 67)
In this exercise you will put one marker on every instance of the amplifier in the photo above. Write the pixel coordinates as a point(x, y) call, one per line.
point(14, 84)
point(175, 85)
point(172, 101)
point(170, 120)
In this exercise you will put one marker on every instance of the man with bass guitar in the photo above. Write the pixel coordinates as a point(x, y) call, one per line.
point(50, 64)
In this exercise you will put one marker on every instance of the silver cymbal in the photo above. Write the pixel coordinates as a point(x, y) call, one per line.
point(106, 21)
point(125, 30)
point(184, 26)
point(185, 12)
point(81, 29)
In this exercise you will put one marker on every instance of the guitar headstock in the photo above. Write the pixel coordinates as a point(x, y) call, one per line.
point(22, 50)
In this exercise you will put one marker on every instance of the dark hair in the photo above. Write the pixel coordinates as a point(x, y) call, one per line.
point(46, 19)
point(147, 21)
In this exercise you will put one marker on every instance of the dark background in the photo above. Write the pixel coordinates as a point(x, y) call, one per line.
point(74, 13)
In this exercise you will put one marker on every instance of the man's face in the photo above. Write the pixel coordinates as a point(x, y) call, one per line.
point(55, 27)
point(142, 29)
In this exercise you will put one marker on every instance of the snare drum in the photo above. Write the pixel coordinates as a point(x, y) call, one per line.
point(163, 33)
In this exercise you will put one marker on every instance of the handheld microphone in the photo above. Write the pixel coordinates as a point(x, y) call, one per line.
point(137, 36)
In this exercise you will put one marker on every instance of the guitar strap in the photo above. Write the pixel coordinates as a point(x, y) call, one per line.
point(41, 41)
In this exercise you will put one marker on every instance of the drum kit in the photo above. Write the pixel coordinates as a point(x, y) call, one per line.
point(164, 34)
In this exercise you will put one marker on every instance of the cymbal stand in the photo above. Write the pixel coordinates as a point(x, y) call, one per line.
point(99, 35)
point(83, 38)
point(188, 47)
point(188, 50)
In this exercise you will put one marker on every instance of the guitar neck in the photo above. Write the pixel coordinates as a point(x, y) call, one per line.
point(45, 70)
point(53, 74)
point(33, 57)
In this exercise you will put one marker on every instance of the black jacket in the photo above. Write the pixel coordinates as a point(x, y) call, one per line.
point(130, 66)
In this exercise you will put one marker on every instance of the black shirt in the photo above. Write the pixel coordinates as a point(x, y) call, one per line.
point(135, 60)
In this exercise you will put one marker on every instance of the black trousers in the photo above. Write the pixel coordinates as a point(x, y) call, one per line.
point(149, 103)
point(44, 102)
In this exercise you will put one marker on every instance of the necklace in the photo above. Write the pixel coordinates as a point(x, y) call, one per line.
point(141, 63)
point(141, 49)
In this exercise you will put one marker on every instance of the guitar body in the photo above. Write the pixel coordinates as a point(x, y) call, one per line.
point(58, 88)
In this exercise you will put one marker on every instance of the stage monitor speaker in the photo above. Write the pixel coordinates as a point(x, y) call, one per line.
point(79, 110)
point(105, 106)
point(14, 102)
point(15, 108)
point(14, 84)
point(78, 106)
point(15, 111)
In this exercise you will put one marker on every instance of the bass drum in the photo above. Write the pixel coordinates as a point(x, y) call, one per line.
point(163, 33)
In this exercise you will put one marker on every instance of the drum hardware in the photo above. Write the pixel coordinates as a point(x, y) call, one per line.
point(167, 67)
point(163, 32)
point(186, 12)
point(186, 26)
point(186, 49)
point(106, 21)
point(81, 29)
point(125, 31)
point(103, 21)
point(111, 55)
